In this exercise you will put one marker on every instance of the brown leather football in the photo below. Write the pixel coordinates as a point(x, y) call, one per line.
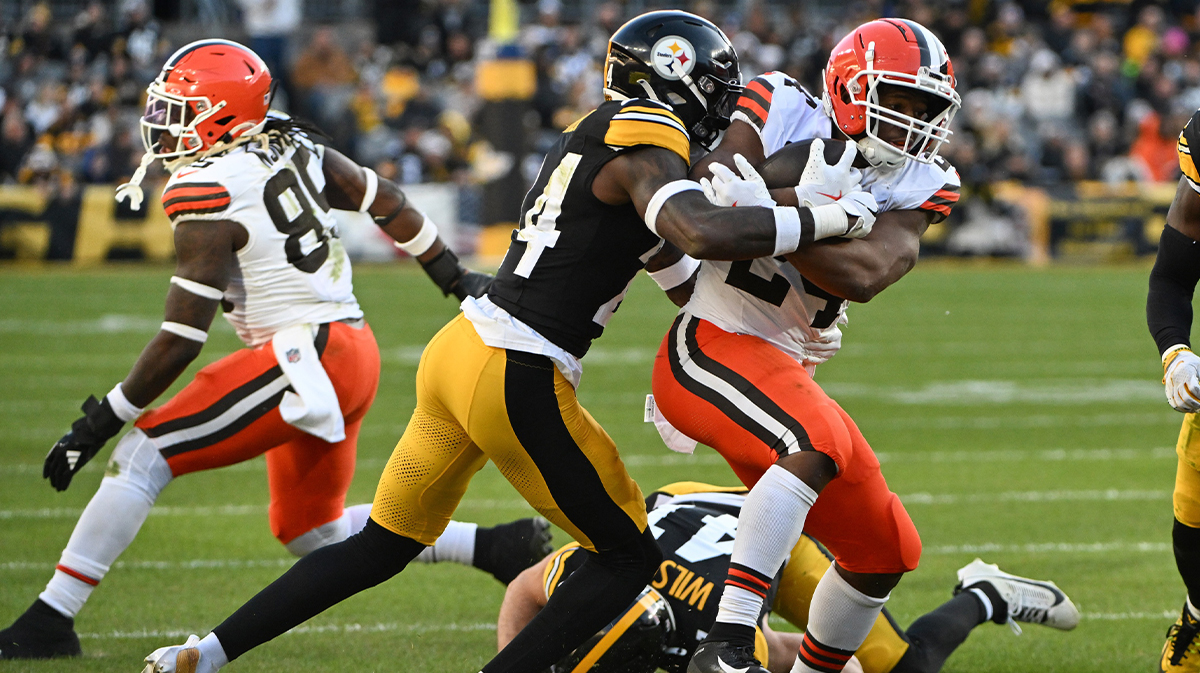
point(783, 169)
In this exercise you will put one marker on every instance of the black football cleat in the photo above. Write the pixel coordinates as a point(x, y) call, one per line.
point(507, 549)
point(41, 633)
point(720, 656)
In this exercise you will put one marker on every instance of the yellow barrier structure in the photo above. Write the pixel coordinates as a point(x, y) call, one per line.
point(98, 231)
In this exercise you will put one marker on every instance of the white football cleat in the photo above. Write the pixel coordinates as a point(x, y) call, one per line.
point(1031, 601)
point(183, 658)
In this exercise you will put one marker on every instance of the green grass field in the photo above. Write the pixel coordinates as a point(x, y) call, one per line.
point(1017, 412)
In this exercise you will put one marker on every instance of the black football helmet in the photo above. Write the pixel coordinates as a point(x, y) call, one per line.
point(631, 643)
point(679, 59)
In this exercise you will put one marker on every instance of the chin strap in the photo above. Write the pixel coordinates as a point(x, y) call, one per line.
point(133, 189)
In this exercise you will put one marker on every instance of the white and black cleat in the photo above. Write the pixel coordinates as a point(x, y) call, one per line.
point(1026, 600)
point(720, 656)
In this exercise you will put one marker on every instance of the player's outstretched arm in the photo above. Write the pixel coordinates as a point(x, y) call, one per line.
point(859, 269)
point(353, 187)
point(674, 272)
point(205, 254)
point(1169, 301)
point(523, 599)
point(655, 180)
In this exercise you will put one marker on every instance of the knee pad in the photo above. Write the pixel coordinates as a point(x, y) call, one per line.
point(136, 463)
point(639, 558)
point(325, 534)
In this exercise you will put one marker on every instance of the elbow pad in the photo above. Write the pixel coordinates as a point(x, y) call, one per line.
point(1172, 283)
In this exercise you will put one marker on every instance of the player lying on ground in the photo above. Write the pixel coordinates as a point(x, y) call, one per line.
point(1169, 315)
point(735, 371)
point(498, 383)
point(696, 525)
point(249, 199)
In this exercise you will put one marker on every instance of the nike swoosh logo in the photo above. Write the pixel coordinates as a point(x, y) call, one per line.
point(183, 173)
point(730, 669)
point(831, 196)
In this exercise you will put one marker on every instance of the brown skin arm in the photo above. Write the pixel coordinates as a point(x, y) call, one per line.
point(687, 220)
point(740, 138)
point(1184, 214)
point(523, 599)
point(859, 269)
point(680, 294)
point(205, 253)
point(345, 185)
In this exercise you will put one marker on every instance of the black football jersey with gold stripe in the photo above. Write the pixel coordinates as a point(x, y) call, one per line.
point(573, 257)
point(1188, 140)
point(695, 529)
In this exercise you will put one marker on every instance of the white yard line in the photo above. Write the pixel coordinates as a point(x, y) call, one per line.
point(378, 627)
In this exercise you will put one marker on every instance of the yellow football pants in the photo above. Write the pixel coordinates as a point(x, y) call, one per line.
point(884, 646)
point(1187, 473)
point(477, 403)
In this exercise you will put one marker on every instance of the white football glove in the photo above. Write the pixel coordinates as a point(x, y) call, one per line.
point(727, 189)
point(822, 184)
point(1181, 375)
point(825, 346)
point(183, 658)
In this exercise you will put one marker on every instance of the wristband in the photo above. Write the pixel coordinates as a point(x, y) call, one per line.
point(421, 243)
point(660, 197)
point(677, 274)
point(121, 406)
point(372, 186)
point(1171, 353)
point(198, 289)
point(828, 220)
point(788, 230)
point(185, 331)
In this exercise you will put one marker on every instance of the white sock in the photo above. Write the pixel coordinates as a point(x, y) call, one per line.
point(456, 545)
point(839, 619)
point(1192, 608)
point(107, 526)
point(358, 516)
point(988, 608)
point(768, 528)
point(212, 654)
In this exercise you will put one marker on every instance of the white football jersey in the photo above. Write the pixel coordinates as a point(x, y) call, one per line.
point(768, 297)
point(294, 268)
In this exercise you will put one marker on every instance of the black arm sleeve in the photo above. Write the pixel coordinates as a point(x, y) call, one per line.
point(1172, 282)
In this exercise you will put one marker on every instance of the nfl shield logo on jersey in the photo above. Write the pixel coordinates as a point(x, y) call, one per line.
point(293, 355)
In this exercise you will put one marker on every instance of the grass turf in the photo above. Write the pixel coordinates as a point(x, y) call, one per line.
point(1017, 412)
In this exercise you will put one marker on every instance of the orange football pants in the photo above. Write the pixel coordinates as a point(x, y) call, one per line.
point(230, 413)
point(753, 403)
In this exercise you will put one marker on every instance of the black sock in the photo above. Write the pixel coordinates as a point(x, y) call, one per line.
point(933, 637)
point(317, 582)
point(604, 586)
point(738, 634)
point(1186, 541)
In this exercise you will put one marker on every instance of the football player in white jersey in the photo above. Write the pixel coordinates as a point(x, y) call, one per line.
point(249, 199)
point(735, 371)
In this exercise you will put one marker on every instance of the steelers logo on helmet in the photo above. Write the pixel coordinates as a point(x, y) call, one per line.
point(673, 57)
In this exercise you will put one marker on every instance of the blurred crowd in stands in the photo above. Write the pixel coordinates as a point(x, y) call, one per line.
point(1052, 92)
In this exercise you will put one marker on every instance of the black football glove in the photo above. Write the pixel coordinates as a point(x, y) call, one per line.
point(87, 436)
point(473, 284)
point(452, 279)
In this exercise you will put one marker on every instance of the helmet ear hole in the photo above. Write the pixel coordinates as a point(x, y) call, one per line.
point(843, 93)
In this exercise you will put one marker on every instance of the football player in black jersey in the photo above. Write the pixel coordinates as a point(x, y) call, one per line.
point(695, 525)
point(1169, 316)
point(498, 382)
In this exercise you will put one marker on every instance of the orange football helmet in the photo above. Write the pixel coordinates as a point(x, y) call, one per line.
point(209, 93)
point(895, 52)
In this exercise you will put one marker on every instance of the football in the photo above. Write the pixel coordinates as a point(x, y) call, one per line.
point(783, 169)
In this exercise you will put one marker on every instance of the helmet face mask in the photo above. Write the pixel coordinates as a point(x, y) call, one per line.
point(177, 116)
point(679, 59)
point(902, 56)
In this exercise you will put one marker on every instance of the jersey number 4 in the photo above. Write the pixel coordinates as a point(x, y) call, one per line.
point(774, 291)
point(290, 197)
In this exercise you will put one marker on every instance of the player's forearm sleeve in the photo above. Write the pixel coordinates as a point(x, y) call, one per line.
point(1172, 283)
